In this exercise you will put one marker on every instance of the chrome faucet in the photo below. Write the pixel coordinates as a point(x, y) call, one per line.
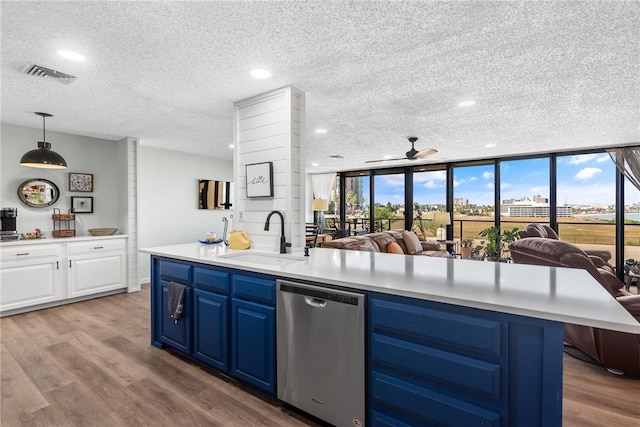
point(283, 242)
point(224, 233)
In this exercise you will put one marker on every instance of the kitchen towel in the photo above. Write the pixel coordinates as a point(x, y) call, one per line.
point(176, 300)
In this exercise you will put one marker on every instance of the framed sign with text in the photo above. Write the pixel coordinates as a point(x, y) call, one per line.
point(259, 179)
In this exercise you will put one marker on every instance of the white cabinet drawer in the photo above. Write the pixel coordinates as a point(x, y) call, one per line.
point(95, 246)
point(26, 252)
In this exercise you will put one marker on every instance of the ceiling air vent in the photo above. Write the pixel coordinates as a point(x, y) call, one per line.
point(40, 71)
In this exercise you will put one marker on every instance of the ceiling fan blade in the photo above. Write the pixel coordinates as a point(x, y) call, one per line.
point(424, 153)
point(385, 160)
point(429, 159)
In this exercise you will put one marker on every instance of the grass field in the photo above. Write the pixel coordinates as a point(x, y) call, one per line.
point(588, 231)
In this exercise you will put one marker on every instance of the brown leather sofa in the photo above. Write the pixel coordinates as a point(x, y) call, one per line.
point(618, 351)
point(379, 242)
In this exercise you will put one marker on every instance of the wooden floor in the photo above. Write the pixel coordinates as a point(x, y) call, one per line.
point(91, 364)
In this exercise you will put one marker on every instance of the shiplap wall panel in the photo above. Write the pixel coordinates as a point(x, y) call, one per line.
point(264, 131)
point(269, 128)
point(269, 118)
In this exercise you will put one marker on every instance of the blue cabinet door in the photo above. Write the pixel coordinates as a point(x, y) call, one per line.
point(253, 355)
point(211, 335)
point(176, 334)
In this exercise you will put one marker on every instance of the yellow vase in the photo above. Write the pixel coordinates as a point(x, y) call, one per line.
point(239, 240)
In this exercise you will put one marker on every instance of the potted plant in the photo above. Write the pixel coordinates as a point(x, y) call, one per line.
point(466, 247)
point(496, 243)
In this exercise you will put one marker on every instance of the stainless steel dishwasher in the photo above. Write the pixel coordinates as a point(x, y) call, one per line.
point(320, 351)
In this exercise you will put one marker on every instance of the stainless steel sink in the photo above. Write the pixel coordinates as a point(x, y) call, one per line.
point(264, 258)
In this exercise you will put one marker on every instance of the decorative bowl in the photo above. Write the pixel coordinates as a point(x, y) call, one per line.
point(102, 231)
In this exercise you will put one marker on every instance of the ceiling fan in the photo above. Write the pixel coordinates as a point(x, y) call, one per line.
point(412, 154)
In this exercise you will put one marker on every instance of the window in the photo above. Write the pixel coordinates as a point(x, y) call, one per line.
point(473, 200)
point(388, 198)
point(429, 195)
point(586, 188)
point(524, 192)
point(631, 221)
point(356, 201)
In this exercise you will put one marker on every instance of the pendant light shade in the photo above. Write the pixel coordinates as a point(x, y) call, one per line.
point(43, 156)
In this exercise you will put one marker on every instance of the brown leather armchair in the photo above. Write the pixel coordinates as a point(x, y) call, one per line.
point(619, 351)
point(535, 229)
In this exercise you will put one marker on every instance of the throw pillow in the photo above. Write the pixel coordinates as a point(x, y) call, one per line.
point(394, 248)
point(411, 240)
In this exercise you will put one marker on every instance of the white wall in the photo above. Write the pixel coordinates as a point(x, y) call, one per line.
point(270, 128)
point(83, 154)
point(168, 211)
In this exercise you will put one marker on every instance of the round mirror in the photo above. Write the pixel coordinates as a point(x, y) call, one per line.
point(38, 192)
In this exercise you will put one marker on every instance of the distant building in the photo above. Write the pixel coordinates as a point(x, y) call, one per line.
point(460, 202)
point(538, 208)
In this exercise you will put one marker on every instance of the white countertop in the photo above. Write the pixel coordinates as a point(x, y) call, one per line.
point(49, 240)
point(560, 294)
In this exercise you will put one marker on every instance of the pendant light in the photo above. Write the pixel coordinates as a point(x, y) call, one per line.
point(43, 156)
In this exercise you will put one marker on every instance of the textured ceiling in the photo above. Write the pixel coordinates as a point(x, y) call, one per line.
point(546, 76)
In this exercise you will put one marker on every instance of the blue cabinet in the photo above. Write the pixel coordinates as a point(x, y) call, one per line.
point(211, 336)
point(175, 333)
point(234, 335)
point(439, 364)
point(253, 324)
point(210, 317)
point(164, 330)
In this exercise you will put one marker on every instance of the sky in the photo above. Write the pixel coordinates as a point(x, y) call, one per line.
point(587, 179)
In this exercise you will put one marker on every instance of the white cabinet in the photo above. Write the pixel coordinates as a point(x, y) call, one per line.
point(31, 275)
point(52, 272)
point(95, 266)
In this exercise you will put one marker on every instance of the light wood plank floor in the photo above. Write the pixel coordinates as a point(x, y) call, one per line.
point(91, 364)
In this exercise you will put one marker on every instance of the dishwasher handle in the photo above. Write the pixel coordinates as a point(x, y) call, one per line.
point(315, 302)
point(317, 296)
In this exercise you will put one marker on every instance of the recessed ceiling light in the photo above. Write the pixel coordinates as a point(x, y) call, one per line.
point(71, 55)
point(315, 164)
point(467, 103)
point(490, 145)
point(260, 73)
point(231, 145)
point(321, 130)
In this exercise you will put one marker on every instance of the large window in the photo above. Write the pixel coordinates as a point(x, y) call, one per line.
point(429, 195)
point(357, 190)
point(524, 192)
point(473, 200)
point(585, 199)
point(388, 202)
point(631, 221)
point(586, 188)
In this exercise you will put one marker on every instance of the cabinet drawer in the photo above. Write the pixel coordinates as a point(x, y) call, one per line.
point(210, 279)
point(92, 246)
point(24, 252)
point(174, 271)
point(438, 325)
point(422, 406)
point(412, 361)
point(254, 289)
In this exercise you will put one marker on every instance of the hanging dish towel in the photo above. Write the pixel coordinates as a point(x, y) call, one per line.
point(176, 300)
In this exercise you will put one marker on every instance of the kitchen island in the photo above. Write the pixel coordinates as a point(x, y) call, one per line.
point(453, 342)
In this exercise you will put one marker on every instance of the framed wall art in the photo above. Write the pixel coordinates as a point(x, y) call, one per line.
point(259, 179)
point(82, 204)
point(82, 182)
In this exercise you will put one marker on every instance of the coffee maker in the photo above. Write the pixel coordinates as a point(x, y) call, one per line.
point(8, 217)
